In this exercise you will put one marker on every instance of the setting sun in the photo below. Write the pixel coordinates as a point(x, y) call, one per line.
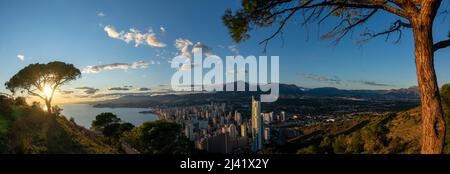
point(47, 91)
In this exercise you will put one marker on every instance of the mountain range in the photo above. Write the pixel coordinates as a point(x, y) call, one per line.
point(286, 91)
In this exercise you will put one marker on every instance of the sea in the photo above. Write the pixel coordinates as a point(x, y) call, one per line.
point(84, 114)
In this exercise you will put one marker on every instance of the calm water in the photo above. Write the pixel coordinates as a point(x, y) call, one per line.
point(84, 114)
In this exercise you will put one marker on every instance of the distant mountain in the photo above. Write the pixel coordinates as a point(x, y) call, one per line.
point(412, 91)
point(408, 93)
point(286, 91)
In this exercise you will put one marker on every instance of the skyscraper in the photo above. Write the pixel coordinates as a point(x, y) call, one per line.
point(266, 135)
point(244, 130)
point(257, 130)
point(238, 117)
point(232, 131)
point(267, 117)
point(283, 116)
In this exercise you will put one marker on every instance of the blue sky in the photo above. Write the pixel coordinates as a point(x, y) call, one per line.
point(73, 31)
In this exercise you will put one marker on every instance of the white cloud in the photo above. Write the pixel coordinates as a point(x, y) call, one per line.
point(155, 62)
point(136, 36)
point(101, 14)
point(111, 31)
point(114, 66)
point(162, 29)
point(21, 57)
point(88, 90)
point(233, 48)
point(183, 46)
point(202, 47)
point(152, 41)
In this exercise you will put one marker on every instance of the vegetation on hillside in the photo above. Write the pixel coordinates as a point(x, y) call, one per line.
point(158, 137)
point(385, 134)
point(29, 130)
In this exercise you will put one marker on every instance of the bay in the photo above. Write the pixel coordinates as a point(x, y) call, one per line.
point(84, 114)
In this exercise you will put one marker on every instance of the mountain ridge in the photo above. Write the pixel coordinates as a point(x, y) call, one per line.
point(285, 90)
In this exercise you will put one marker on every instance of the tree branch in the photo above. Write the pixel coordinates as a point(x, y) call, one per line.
point(441, 44)
point(396, 27)
point(383, 5)
point(342, 32)
point(35, 94)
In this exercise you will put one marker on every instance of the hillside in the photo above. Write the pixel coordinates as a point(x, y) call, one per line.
point(29, 130)
point(383, 134)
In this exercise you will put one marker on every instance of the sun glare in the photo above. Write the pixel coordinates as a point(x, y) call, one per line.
point(47, 91)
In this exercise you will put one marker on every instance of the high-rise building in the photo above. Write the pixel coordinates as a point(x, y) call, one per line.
point(283, 116)
point(244, 130)
point(219, 144)
point(266, 135)
point(267, 117)
point(189, 131)
point(238, 117)
point(257, 129)
point(232, 131)
point(201, 144)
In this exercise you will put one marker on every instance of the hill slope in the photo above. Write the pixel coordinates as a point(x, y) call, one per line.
point(383, 134)
point(35, 132)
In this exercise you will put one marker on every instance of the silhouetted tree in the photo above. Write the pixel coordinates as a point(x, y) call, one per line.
point(21, 101)
point(104, 119)
point(115, 130)
point(42, 80)
point(417, 15)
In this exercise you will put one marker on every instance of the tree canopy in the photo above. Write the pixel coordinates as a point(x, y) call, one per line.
point(104, 119)
point(42, 80)
point(349, 13)
point(158, 137)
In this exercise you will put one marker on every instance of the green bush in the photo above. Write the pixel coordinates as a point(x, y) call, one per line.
point(396, 145)
point(445, 95)
point(326, 145)
point(374, 137)
point(308, 150)
point(105, 119)
point(158, 137)
point(356, 144)
point(339, 145)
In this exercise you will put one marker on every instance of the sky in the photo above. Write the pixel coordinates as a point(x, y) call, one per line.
point(126, 46)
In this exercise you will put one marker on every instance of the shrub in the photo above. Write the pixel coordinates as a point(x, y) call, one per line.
point(158, 137)
point(339, 145)
point(308, 150)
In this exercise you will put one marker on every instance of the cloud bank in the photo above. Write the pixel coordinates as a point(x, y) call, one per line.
point(134, 35)
point(314, 77)
point(88, 90)
point(338, 81)
point(115, 66)
point(119, 89)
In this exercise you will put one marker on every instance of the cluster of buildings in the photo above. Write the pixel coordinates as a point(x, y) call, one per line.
point(216, 128)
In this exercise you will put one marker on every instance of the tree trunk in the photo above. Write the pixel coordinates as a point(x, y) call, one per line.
point(49, 106)
point(433, 125)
